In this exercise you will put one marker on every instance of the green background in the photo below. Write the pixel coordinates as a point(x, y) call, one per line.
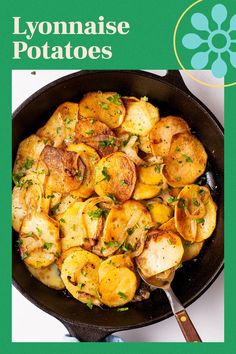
point(149, 45)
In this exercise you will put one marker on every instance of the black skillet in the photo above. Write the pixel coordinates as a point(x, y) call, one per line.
point(171, 95)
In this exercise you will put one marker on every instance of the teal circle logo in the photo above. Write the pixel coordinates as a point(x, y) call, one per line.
point(216, 32)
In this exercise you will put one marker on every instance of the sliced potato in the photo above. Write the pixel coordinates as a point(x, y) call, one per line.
point(39, 240)
point(115, 175)
point(160, 212)
point(49, 276)
point(186, 160)
point(125, 224)
point(140, 117)
point(150, 174)
point(145, 144)
point(169, 226)
point(89, 158)
point(65, 203)
point(195, 213)
point(80, 275)
point(65, 254)
point(162, 133)
point(117, 261)
point(72, 229)
point(163, 250)
point(60, 128)
point(191, 250)
point(27, 156)
point(29, 195)
point(118, 287)
point(65, 170)
point(104, 106)
point(146, 191)
point(97, 135)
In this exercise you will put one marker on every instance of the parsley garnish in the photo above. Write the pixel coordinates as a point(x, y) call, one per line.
point(172, 200)
point(181, 203)
point(104, 105)
point(105, 143)
point(195, 202)
point(200, 221)
point(107, 177)
point(40, 231)
point(54, 209)
point(115, 99)
point(47, 245)
point(122, 295)
point(62, 220)
point(187, 158)
point(121, 309)
point(177, 149)
point(124, 183)
point(113, 198)
point(95, 214)
point(90, 304)
point(90, 132)
point(157, 168)
point(112, 243)
point(28, 164)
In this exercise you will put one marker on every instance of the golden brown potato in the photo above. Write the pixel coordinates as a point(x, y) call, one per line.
point(195, 213)
point(162, 133)
point(64, 170)
point(60, 128)
point(126, 225)
point(65, 203)
point(163, 250)
point(39, 240)
point(160, 212)
point(104, 106)
point(29, 195)
point(89, 158)
point(150, 174)
point(169, 226)
point(118, 287)
point(146, 191)
point(186, 160)
point(80, 276)
point(115, 176)
point(72, 228)
point(140, 117)
point(117, 261)
point(27, 157)
point(191, 250)
point(65, 254)
point(97, 135)
point(49, 276)
point(145, 144)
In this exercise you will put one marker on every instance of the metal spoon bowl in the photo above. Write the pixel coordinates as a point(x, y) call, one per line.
point(163, 281)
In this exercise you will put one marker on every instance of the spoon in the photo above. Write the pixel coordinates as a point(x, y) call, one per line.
point(164, 282)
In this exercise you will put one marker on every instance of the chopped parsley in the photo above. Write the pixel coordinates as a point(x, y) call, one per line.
point(80, 286)
point(121, 309)
point(106, 143)
point(58, 254)
point(130, 231)
point(157, 168)
point(68, 120)
point(47, 245)
point(115, 99)
point(78, 175)
point(89, 304)
point(90, 132)
point(95, 214)
point(124, 183)
point(144, 98)
point(177, 149)
point(107, 177)
point(62, 220)
point(92, 120)
point(25, 255)
point(53, 210)
point(112, 243)
point(200, 221)
point(195, 202)
point(181, 203)
point(113, 198)
point(187, 158)
point(122, 295)
point(40, 231)
point(104, 105)
point(172, 200)
point(58, 130)
point(28, 164)
point(19, 242)
point(201, 192)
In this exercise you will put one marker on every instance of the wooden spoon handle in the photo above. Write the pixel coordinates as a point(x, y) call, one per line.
point(187, 327)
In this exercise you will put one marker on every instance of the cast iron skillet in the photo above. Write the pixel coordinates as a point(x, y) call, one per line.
point(171, 95)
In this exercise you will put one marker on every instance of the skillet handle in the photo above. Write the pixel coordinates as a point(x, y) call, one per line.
point(174, 77)
point(85, 333)
point(187, 327)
